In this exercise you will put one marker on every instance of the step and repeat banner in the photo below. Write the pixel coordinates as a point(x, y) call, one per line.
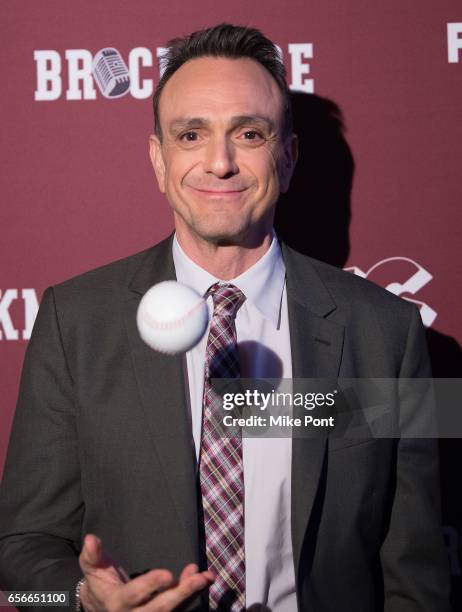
point(377, 92)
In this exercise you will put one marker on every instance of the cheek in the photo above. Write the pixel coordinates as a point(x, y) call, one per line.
point(268, 162)
point(264, 165)
point(267, 174)
point(174, 173)
point(178, 167)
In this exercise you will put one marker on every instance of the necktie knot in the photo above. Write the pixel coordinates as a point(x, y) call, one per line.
point(227, 299)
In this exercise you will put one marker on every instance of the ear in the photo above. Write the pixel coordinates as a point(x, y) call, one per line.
point(157, 160)
point(288, 161)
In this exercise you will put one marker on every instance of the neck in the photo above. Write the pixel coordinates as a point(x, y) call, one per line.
point(224, 261)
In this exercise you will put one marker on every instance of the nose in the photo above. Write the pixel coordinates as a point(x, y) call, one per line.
point(220, 158)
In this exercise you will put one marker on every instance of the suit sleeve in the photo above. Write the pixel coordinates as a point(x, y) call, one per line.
point(415, 565)
point(41, 505)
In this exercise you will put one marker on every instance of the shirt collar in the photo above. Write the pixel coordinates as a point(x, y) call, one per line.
point(262, 283)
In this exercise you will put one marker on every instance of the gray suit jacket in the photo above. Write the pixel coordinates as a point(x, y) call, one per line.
point(101, 443)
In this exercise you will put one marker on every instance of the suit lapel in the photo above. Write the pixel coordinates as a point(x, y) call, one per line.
point(316, 346)
point(161, 385)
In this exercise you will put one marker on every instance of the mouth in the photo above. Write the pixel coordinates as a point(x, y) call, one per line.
point(227, 194)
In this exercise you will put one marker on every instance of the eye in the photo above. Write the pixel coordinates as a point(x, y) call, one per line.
point(189, 136)
point(252, 135)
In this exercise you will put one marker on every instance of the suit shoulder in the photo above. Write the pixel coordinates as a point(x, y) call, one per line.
point(107, 288)
point(351, 294)
point(109, 276)
point(344, 284)
point(118, 274)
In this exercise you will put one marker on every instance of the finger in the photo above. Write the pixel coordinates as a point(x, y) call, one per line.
point(141, 589)
point(122, 573)
point(189, 570)
point(210, 576)
point(91, 556)
point(94, 561)
point(173, 597)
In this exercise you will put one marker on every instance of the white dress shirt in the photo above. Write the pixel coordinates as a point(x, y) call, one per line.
point(262, 330)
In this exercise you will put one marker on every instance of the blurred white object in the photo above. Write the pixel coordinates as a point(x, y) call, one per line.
point(172, 318)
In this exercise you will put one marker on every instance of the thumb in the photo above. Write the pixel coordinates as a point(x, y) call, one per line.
point(92, 555)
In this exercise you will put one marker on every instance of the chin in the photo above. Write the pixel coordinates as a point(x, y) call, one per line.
point(223, 238)
point(240, 236)
point(221, 233)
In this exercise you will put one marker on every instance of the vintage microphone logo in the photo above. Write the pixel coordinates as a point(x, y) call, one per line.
point(111, 73)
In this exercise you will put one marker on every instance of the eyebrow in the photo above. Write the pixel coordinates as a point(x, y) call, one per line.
point(184, 123)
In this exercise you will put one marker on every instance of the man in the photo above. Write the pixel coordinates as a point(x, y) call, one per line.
point(111, 438)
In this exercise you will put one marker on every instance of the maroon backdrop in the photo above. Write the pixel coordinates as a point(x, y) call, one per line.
point(78, 189)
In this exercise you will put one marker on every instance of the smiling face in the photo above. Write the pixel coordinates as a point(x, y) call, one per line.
point(222, 161)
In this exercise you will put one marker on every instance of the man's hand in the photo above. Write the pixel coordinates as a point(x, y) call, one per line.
point(107, 586)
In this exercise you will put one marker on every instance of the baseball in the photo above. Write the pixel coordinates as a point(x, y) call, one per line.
point(172, 318)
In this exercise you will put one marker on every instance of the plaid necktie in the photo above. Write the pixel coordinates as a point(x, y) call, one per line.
point(221, 470)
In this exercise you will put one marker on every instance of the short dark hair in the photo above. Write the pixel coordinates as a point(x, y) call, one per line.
point(224, 40)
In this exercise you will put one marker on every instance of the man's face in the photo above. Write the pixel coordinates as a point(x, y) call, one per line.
point(223, 160)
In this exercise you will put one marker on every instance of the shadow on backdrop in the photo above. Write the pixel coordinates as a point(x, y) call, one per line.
point(314, 216)
point(446, 359)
